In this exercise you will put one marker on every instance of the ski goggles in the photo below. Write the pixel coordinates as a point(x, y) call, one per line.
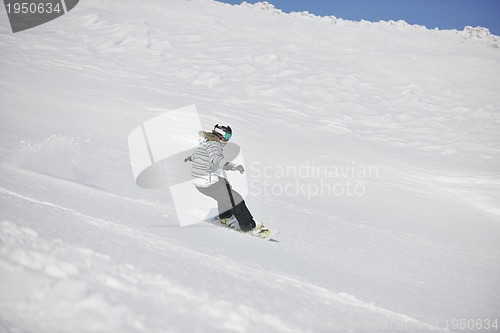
point(224, 135)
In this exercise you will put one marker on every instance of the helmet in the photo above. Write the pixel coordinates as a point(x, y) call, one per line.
point(223, 132)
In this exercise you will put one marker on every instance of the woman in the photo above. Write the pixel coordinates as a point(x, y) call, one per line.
point(207, 178)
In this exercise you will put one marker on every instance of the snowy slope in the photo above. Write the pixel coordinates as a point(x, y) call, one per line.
point(407, 118)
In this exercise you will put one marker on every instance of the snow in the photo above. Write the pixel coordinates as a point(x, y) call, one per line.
point(372, 147)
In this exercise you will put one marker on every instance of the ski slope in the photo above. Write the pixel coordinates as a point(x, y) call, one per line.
point(372, 147)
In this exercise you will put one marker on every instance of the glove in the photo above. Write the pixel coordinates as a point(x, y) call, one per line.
point(231, 167)
point(240, 168)
point(228, 166)
point(188, 159)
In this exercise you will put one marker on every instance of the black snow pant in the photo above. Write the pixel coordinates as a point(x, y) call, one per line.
point(229, 202)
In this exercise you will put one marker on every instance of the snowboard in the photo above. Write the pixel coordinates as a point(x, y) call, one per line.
point(268, 234)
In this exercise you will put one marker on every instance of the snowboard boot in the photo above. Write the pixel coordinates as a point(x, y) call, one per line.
point(260, 231)
point(230, 222)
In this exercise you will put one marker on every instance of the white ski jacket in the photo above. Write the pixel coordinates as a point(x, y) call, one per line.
point(206, 158)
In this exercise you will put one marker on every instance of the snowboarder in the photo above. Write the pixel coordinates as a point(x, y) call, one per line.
point(207, 179)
